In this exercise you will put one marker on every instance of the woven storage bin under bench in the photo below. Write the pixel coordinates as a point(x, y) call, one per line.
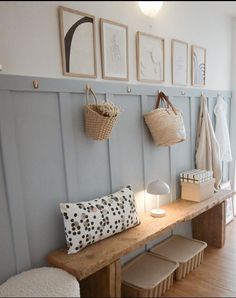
point(147, 276)
point(187, 252)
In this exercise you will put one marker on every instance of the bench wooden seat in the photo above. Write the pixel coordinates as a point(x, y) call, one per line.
point(103, 254)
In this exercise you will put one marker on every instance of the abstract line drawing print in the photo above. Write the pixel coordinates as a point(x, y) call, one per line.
point(150, 57)
point(115, 52)
point(114, 47)
point(77, 36)
point(69, 36)
point(151, 64)
point(179, 62)
point(199, 66)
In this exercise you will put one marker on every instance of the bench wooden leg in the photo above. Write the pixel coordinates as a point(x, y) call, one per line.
point(103, 283)
point(210, 226)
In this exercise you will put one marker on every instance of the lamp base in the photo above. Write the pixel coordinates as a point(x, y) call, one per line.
point(158, 213)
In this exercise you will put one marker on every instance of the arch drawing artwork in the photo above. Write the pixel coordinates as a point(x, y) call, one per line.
point(198, 66)
point(77, 36)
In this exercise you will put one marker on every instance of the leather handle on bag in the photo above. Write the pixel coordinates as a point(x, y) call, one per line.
point(159, 98)
point(162, 97)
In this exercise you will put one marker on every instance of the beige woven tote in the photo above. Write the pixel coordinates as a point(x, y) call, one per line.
point(166, 124)
point(97, 126)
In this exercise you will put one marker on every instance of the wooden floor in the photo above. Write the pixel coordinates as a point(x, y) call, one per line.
point(216, 277)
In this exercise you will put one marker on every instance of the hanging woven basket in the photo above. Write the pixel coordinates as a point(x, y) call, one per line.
point(99, 120)
point(166, 125)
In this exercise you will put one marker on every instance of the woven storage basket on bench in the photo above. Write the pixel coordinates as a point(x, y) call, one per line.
point(97, 126)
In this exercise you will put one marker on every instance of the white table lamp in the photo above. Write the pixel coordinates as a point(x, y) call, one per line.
point(157, 188)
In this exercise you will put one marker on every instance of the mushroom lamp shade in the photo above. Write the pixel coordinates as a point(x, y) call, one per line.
point(158, 188)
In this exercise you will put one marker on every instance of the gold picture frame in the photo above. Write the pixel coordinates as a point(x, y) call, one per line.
point(150, 64)
point(69, 23)
point(198, 62)
point(114, 50)
point(179, 63)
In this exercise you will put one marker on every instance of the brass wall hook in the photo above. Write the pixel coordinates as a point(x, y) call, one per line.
point(87, 88)
point(36, 84)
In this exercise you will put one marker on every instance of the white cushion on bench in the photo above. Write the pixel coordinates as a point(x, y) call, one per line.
point(41, 282)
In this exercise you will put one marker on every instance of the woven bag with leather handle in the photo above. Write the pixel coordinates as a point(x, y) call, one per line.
point(166, 124)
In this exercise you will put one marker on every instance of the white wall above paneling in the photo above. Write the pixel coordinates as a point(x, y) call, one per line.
point(30, 35)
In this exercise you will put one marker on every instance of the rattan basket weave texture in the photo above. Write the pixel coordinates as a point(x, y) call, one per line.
point(166, 125)
point(97, 126)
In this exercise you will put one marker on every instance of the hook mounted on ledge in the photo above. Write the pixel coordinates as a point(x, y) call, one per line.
point(129, 90)
point(87, 87)
point(36, 84)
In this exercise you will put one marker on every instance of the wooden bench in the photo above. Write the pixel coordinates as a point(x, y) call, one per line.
point(98, 267)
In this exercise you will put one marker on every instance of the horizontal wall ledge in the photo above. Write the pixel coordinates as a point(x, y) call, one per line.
point(25, 83)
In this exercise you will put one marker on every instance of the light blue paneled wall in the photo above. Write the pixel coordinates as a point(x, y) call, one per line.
point(46, 158)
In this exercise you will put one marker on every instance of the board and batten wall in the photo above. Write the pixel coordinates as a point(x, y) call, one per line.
point(46, 158)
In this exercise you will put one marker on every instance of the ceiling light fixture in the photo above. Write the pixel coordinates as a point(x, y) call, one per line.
point(150, 8)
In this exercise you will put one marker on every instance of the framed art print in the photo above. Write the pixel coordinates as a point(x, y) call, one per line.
point(179, 62)
point(77, 35)
point(114, 50)
point(198, 66)
point(150, 58)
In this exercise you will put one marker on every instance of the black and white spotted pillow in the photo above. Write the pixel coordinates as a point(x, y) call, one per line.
point(91, 221)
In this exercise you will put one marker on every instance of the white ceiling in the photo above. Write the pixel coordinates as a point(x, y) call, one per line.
point(224, 7)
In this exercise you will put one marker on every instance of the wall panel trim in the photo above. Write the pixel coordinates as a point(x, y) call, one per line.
point(25, 83)
point(143, 98)
point(107, 98)
point(69, 154)
point(14, 189)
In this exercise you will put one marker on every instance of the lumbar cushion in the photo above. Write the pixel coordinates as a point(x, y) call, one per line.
point(41, 282)
point(91, 221)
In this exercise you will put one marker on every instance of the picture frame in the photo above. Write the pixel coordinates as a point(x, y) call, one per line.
point(78, 43)
point(114, 50)
point(179, 62)
point(150, 58)
point(229, 204)
point(198, 61)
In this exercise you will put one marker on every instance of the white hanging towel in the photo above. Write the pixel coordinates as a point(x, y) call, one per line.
point(207, 147)
point(221, 129)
